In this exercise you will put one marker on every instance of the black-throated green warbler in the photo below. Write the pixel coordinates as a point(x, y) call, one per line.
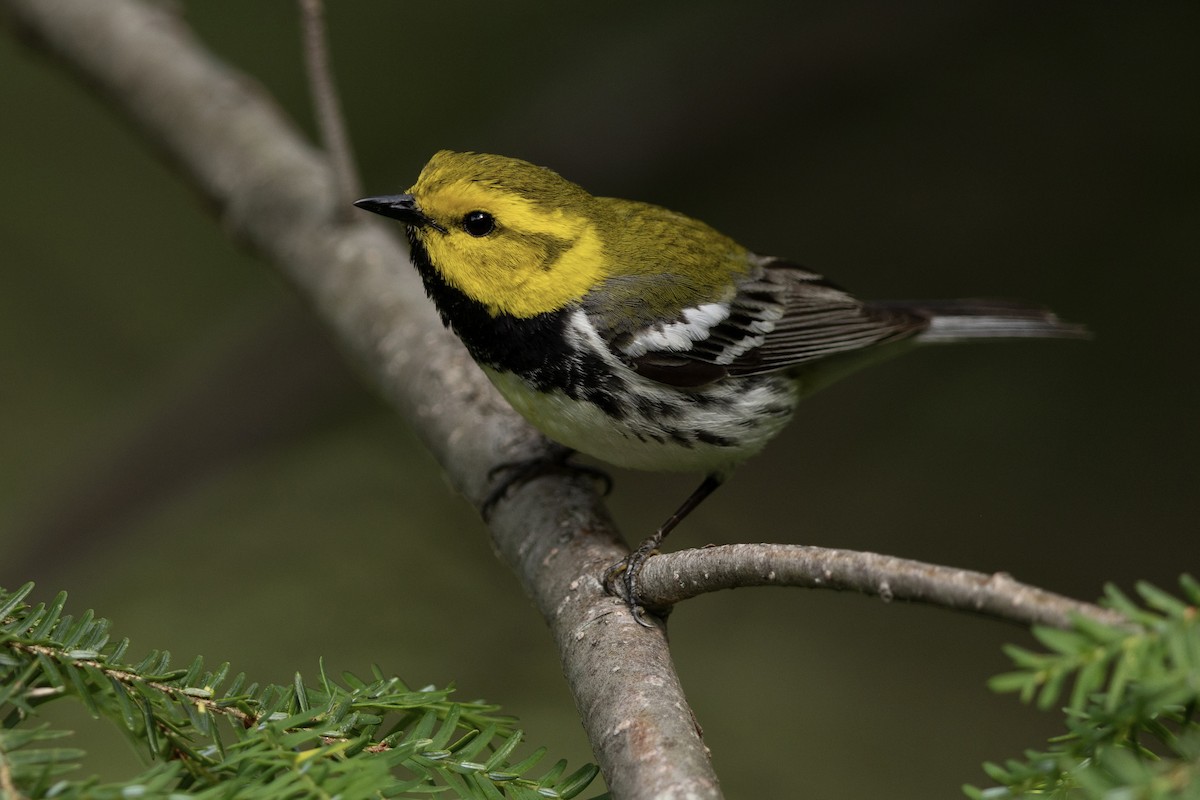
point(641, 336)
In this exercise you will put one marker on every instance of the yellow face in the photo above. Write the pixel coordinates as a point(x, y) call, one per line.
point(516, 237)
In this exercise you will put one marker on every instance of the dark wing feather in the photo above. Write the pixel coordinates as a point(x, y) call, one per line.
point(780, 316)
point(819, 319)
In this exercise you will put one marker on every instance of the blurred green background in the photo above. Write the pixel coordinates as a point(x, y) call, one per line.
point(185, 451)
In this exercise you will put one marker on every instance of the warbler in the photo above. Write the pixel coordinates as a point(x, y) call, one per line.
point(643, 337)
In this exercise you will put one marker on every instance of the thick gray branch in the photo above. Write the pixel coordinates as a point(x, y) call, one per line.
point(271, 189)
point(672, 577)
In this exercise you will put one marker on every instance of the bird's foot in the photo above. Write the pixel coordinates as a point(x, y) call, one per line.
point(525, 470)
point(627, 573)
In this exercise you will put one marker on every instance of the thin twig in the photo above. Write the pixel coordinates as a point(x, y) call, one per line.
point(183, 694)
point(8, 787)
point(671, 577)
point(327, 104)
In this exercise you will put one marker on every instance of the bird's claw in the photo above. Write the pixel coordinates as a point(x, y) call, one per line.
point(527, 469)
point(628, 572)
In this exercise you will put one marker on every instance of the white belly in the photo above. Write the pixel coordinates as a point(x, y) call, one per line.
point(712, 429)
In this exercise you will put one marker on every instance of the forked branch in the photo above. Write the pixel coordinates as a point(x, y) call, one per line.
point(275, 192)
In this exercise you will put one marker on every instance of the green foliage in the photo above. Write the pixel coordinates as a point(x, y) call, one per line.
point(208, 735)
point(1131, 720)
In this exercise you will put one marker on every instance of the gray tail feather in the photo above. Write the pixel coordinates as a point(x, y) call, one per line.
point(959, 320)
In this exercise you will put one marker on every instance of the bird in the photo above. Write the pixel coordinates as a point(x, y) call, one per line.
point(643, 337)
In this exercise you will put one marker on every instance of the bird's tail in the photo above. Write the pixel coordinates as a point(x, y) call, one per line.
point(961, 320)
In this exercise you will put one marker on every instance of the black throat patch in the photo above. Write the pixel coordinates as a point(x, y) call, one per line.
point(537, 349)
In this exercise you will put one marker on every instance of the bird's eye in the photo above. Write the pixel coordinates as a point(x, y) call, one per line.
point(478, 223)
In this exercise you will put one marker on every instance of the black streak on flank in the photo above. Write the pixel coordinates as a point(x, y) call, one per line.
point(714, 439)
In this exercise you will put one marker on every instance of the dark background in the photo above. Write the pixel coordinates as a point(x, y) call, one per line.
point(184, 450)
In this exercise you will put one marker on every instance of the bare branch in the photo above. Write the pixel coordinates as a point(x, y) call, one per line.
point(275, 192)
point(672, 577)
point(327, 104)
